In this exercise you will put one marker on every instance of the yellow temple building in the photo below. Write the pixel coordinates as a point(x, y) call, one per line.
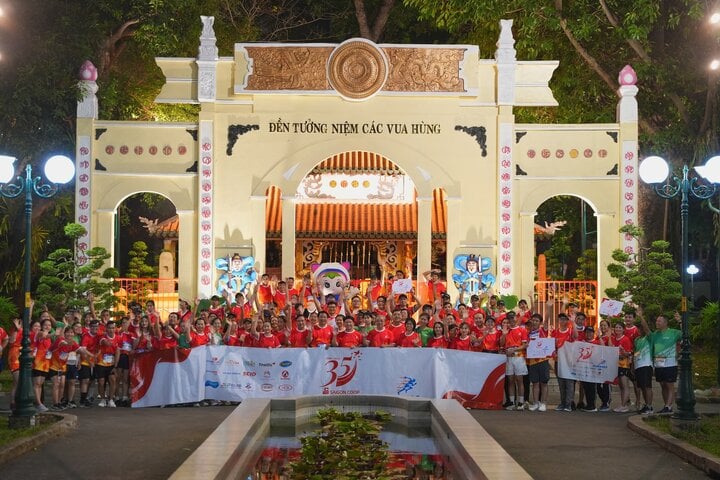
point(388, 157)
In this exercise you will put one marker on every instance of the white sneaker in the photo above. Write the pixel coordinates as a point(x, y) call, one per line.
point(534, 406)
point(510, 407)
point(542, 407)
point(41, 408)
point(103, 403)
point(111, 403)
point(521, 406)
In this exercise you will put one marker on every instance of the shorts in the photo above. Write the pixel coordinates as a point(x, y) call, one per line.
point(631, 375)
point(55, 373)
point(85, 372)
point(623, 372)
point(71, 372)
point(643, 377)
point(666, 374)
point(103, 372)
point(539, 372)
point(40, 373)
point(124, 362)
point(516, 366)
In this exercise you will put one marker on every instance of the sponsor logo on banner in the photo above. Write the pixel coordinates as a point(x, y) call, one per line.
point(249, 387)
point(285, 375)
point(232, 361)
point(266, 387)
point(285, 387)
point(285, 363)
point(266, 364)
point(266, 374)
point(249, 374)
point(340, 371)
point(248, 363)
point(214, 360)
point(211, 384)
point(406, 384)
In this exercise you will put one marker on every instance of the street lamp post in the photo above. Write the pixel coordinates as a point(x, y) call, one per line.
point(654, 170)
point(58, 170)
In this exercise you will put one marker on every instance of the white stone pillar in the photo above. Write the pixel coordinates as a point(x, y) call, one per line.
point(627, 117)
point(87, 113)
point(288, 236)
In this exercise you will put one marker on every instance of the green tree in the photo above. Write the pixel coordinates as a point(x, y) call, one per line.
point(66, 281)
point(648, 278)
point(137, 268)
point(587, 265)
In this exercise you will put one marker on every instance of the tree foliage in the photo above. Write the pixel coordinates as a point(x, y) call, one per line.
point(65, 283)
point(648, 278)
point(137, 268)
point(708, 330)
point(348, 446)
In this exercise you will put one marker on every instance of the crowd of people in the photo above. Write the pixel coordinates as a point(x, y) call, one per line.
point(86, 349)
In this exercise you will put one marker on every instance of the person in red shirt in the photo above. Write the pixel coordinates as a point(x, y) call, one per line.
point(396, 325)
point(107, 359)
point(264, 293)
point(625, 352)
point(266, 339)
point(380, 336)
point(439, 338)
point(523, 313)
point(184, 313)
point(491, 337)
point(88, 351)
point(435, 287)
point(348, 337)
point(198, 335)
point(142, 340)
point(449, 312)
point(409, 338)
point(564, 333)
point(515, 339)
point(41, 361)
point(151, 313)
point(382, 307)
point(322, 334)
point(477, 327)
point(475, 307)
point(632, 332)
point(280, 296)
point(374, 292)
point(166, 338)
point(216, 309)
point(61, 349)
point(127, 340)
point(463, 340)
point(301, 335)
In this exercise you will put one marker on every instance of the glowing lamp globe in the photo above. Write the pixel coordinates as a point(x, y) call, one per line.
point(7, 168)
point(59, 169)
point(711, 170)
point(654, 170)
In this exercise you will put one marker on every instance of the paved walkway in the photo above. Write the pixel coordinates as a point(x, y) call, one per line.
point(151, 443)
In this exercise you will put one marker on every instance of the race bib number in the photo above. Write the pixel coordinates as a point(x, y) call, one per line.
point(48, 355)
point(63, 356)
point(659, 362)
point(126, 346)
point(109, 359)
point(71, 358)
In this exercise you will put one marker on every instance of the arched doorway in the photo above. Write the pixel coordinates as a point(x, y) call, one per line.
point(566, 256)
point(146, 245)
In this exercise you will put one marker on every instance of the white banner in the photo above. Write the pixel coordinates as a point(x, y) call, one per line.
point(588, 362)
point(235, 373)
point(540, 347)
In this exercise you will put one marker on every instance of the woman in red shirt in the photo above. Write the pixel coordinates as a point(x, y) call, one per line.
point(348, 337)
point(41, 363)
point(409, 338)
point(463, 340)
point(143, 339)
point(491, 338)
point(266, 339)
point(439, 339)
point(198, 335)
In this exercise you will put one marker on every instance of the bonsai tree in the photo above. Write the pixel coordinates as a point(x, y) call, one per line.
point(137, 268)
point(648, 278)
point(66, 280)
